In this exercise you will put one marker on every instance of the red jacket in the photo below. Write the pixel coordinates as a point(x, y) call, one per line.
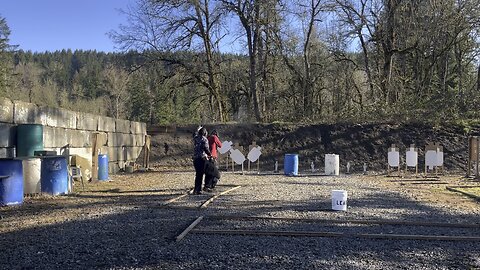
point(213, 143)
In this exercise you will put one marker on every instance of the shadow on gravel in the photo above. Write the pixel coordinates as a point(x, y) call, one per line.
point(85, 201)
point(129, 239)
point(118, 190)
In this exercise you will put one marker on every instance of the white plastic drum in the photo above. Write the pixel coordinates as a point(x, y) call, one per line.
point(332, 164)
point(31, 175)
point(339, 200)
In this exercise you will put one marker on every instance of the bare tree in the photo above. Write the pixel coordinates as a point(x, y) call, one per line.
point(354, 16)
point(301, 50)
point(115, 82)
point(478, 79)
point(311, 10)
point(249, 14)
point(174, 26)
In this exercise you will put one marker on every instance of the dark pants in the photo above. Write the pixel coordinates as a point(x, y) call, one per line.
point(199, 164)
point(211, 171)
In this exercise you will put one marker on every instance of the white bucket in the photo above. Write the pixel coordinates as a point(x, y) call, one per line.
point(31, 175)
point(332, 164)
point(339, 200)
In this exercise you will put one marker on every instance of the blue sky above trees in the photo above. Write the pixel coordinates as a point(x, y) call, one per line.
point(50, 25)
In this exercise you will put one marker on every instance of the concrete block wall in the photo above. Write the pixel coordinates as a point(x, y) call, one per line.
point(68, 132)
point(6, 110)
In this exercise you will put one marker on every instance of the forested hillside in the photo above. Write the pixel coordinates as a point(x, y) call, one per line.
point(292, 61)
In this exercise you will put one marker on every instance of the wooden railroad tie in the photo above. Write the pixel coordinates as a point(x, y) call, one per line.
point(188, 229)
point(203, 205)
point(174, 199)
point(339, 234)
point(456, 189)
point(207, 202)
point(353, 221)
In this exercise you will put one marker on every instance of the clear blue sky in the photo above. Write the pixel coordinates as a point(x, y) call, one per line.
point(49, 25)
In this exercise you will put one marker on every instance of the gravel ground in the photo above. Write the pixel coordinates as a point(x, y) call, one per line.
point(122, 224)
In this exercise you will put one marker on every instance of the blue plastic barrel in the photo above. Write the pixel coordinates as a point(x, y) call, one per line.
point(102, 167)
point(54, 175)
point(11, 182)
point(290, 166)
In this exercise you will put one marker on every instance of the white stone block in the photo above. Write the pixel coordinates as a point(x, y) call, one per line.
point(26, 113)
point(79, 138)
point(133, 153)
point(6, 110)
point(7, 135)
point(139, 140)
point(54, 137)
point(48, 116)
point(138, 128)
point(7, 152)
point(67, 119)
point(122, 126)
point(106, 124)
point(86, 121)
point(115, 154)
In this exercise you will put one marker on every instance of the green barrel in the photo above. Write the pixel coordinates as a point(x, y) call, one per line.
point(29, 139)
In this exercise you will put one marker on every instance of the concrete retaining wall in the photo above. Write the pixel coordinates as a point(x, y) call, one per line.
point(70, 133)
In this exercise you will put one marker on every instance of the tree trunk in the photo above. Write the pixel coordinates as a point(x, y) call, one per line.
point(214, 87)
point(478, 79)
point(252, 40)
point(366, 63)
point(387, 46)
point(306, 83)
point(461, 94)
point(253, 88)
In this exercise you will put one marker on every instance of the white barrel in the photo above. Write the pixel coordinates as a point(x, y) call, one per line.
point(339, 200)
point(31, 175)
point(332, 164)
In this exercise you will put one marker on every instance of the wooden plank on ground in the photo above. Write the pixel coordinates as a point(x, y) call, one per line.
point(354, 221)
point(339, 234)
point(414, 180)
point(206, 203)
point(473, 196)
point(425, 183)
point(463, 186)
point(189, 228)
point(174, 199)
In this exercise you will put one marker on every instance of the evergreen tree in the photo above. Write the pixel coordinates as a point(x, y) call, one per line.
point(5, 56)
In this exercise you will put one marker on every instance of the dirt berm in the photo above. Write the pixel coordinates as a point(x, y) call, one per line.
point(357, 143)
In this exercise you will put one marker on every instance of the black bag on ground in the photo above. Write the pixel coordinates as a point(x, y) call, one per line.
point(212, 171)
